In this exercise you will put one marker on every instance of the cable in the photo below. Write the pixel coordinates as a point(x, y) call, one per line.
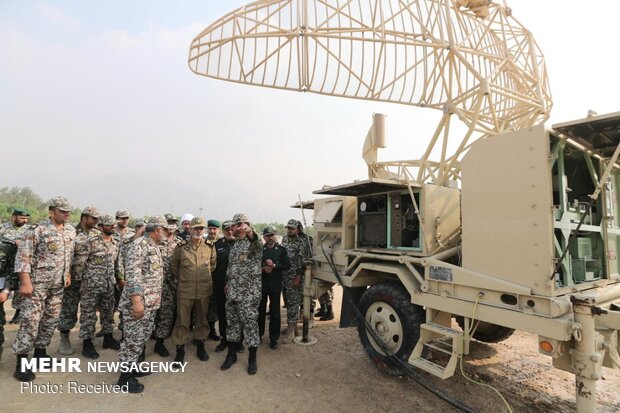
point(468, 332)
point(406, 367)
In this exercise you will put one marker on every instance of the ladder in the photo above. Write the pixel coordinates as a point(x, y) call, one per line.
point(438, 338)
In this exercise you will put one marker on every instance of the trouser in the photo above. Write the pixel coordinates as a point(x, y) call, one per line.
point(272, 288)
point(294, 297)
point(220, 302)
point(242, 317)
point(212, 312)
point(91, 299)
point(39, 318)
point(181, 334)
point(17, 300)
point(2, 323)
point(135, 334)
point(69, 308)
point(164, 320)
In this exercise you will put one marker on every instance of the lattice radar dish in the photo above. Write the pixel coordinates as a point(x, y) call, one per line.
point(463, 57)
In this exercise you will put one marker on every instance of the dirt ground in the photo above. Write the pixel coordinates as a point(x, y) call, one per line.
point(335, 375)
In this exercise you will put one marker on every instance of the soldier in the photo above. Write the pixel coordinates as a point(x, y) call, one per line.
point(71, 296)
point(243, 292)
point(213, 234)
point(326, 312)
point(164, 319)
point(43, 262)
point(222, 249)
point(8, 282)
point(13, 231)
point(124, 235)
point(192, 263)
point(97, 259)
point(141, 297)
point(298, 247)
point(275, 261)
point(186, 234)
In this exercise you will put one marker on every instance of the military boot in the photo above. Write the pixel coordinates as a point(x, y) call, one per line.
point(142, 355)
point(25, 374)
point(290, 333)
point(133, 385)
point(321, 313)
point(222, 346)
point(64, 347)
point(252, 367)
point(329, 314)
point(40, 354)
point(160, 348)
point(201, 352)
point(231, 357)
point(180, 354)
point(213, 332)
point(109, 342)
point(88, 349)
point(15, 319)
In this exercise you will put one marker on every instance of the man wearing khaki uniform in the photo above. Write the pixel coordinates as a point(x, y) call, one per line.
point(192, 263)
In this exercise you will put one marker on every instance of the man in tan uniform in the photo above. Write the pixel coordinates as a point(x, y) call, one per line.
point(192, 263)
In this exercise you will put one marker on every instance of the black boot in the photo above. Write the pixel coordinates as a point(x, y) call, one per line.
point(40, 354)
point(180, 354)
point(252, 367)
point(240, 347)
point(222, 346)
point(109, 342)
point(15, 319)
point(329, 314)
point(201, 352)
point(213, 332)
point(88, 349)
point(133, 385)
point(142, 355)
point(231, 357)
point(160, 348)
point(25, 374)
point(322, 312)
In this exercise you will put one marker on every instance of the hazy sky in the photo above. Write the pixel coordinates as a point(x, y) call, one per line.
point(97, 103)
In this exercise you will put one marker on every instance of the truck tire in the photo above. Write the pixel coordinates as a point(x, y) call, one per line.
point(388, 309)
point(488, 332)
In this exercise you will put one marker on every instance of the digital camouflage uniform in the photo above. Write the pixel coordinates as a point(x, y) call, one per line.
point(71, 297)
point(10, 232)
point(98, 261)
point(164, 319)
point(124, 241)
point(244, 290)
point(298, 248)
point(45, 253)
point(144, 275)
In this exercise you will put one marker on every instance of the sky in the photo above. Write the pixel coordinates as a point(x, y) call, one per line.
point(97, 104)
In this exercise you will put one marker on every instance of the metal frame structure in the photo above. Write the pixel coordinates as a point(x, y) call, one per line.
point(471, 59)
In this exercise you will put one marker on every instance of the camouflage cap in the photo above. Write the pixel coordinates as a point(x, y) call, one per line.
point(158, 222)
point(91, 211)
point(197, 222)
point(107, 219)
point(171, 217)
point(227, 224)
point(140, 223)
point(214, 223)
point(61, 203)
point(22, 212)
point(122, 213)
point(172, 227)
point(269, 230)
point(293, 223)
point(239, 218)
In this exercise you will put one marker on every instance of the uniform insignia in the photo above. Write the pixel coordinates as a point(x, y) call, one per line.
point(52, 246)
point(242, 257)
point(156, 266)
point(186, 248)
point(99, 260)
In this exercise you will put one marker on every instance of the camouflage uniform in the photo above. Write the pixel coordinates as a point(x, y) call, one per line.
point(144, 275)
point(327, 299)
point(124, 241)
point(12, 233)
point(8, 280)
point(244, 290)
point(71, 297)
point(98, 261)
point(45, 253)
point(298, 249)
point(164, 319)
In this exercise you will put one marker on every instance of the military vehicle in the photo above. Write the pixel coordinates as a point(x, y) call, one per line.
point(502, 224)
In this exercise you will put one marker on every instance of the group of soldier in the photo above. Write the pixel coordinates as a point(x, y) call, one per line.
point(165, 282)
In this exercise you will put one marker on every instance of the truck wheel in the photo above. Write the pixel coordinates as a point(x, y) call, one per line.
point(488, 332)
point(388, 310)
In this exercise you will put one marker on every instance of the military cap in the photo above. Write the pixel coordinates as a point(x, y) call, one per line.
point(171, 217)
point(122, 213)
point(269, 230)
point(293, 223)
point(107, 219)
point(22, 212)
point(158, 222)
point(172, 227)
point(61, 203)
point(197, 222)
point(140, 223)
point(92, 211)
point(214, 223)
point(227, 224)
point(239, 218)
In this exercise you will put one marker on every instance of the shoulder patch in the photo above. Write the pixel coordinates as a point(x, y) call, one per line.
point(181, 242)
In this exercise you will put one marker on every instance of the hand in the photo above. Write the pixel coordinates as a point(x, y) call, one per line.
point(121, 284)
point(17, 242)
point(297, 281)
point(137, 307)
point(4, 297)
point(267, 269)
point(67, 280)
point(25, 287)
point(270, 263)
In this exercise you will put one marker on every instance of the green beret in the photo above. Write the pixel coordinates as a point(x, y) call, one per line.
point(214, 223)
point(21, 212)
